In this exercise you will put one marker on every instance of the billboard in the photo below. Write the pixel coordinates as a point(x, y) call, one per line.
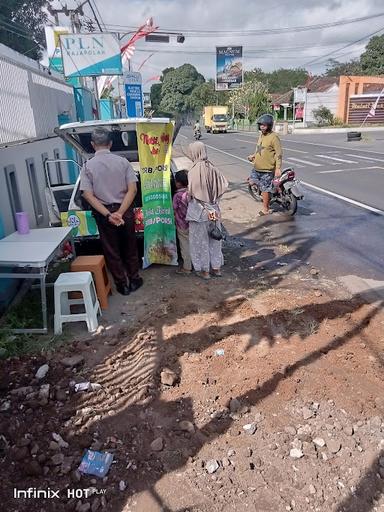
point(361, 107)
point(133, 94)
point(229, 67)
point(52, 37)
point(91, 54)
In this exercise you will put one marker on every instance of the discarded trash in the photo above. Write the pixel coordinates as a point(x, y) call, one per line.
point(5, 406)
point(282, 264)
point(60, 441)
point(42, 372)
point(296, 453)
point(87, 386)
point(96, 463)
point(122, 485)
point(211, 466)
point(219, 352)
point(250, 428)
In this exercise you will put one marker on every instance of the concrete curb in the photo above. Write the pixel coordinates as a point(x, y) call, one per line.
point(370, 289)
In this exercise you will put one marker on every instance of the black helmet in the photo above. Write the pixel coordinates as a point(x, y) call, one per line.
point(266, 119)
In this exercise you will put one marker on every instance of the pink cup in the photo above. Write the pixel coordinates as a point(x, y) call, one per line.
point(22, 223)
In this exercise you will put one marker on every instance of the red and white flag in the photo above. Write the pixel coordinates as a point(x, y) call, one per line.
point(372, 112)
point(153, 79)
point(127, 52)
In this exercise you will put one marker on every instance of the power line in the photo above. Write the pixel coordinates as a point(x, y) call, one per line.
point(95, 16)
point(215, 33)
point(344, 47)
point(247, 50)
point(15, 26)
point(18, 34)
point(98, 13)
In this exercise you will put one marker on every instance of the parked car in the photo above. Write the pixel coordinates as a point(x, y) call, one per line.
point(65, 202)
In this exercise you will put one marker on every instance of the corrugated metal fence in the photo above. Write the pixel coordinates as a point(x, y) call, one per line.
point(30, 100)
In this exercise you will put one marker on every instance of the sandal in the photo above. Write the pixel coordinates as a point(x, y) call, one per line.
point(206, 277)
point(262, 214)
point(216, 273)
point(183, 272)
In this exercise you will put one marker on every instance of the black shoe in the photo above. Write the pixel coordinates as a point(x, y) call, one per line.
point(123, 289)
point(135, 284)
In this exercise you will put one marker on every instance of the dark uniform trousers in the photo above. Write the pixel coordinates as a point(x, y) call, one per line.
point(119, 245)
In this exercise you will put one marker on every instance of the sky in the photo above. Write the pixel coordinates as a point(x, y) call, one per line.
point(228, 19)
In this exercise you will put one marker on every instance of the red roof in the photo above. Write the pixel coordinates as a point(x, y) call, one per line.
point(278, 98)
point(322, 83)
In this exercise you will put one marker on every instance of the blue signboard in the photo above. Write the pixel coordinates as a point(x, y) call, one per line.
point(133, 95)
point(134, 100)
point(229, 67)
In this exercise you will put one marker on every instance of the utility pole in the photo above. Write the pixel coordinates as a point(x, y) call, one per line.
point(74, 17)
point(72, 14)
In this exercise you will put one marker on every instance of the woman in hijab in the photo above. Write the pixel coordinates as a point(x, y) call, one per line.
point(206, 186)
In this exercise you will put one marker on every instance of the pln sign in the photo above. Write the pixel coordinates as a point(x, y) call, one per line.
point(90, 55)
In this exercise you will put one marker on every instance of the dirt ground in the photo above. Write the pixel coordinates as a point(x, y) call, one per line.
point(260, 391)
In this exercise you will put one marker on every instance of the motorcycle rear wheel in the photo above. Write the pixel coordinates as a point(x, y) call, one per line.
point(290, 205)
point(255, 192)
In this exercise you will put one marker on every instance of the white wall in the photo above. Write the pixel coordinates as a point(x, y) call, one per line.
point(329, 99)
point(30, 99)
point(17, 155)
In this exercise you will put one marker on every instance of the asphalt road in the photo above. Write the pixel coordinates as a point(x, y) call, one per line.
point(340, 237)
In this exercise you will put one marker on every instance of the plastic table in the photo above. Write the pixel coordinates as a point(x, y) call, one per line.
point(31, 255)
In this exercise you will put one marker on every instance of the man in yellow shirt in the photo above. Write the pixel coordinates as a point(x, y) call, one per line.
point(267, 159)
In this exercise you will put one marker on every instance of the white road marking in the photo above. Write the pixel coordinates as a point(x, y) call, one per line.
point(307, 162)
point(343, 198)
point(329, 146)
point(326, 145)
point(318, 189)
point(229, 154)
point(247, 141)
point(184, 137)
point(365, 157)
point(284, 148)
point(348, 170)
point(295, 150)
point(337, 159)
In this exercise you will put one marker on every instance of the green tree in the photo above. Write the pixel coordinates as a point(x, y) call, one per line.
point(372, 60)
point(283, 80)
point(323, 116)
point(22, 26)
point(155, 95)
point(177, 87)
point(278, 81)
point(164, 72)
point(255, 74)
point(251, 100)
point(202, 95)
point(336, 68)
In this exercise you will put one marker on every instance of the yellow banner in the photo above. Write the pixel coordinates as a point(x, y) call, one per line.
point(155, 149)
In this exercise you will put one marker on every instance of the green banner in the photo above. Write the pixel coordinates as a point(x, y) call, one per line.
point(155, 148)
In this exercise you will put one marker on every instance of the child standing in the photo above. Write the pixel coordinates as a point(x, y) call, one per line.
point(180, 206)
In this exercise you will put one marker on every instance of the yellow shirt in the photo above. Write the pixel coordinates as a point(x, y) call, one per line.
point(268, 154)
